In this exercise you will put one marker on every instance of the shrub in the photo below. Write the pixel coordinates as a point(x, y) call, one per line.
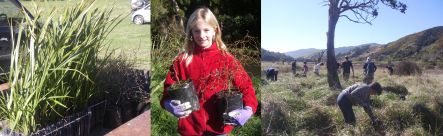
point(296, 89)
point(316, 94)
point(430, 120)
point(399, 116)
point(415, 131)
point(318, 120)
point(307, 84)
point(122, 84)
point(331, 100)
point(274, 120)
point(377, 102)
point(296, 104)
point(437, 104)
point(396, 89)
point(407, 68)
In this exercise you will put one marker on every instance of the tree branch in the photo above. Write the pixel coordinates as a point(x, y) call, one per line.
point(348, 6)
point(359, 16)
point(342, 2)
point(350, 19)
point(325, 3)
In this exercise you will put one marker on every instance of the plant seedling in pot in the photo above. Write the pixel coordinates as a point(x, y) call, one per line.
point(227, 101)
point(185, 92)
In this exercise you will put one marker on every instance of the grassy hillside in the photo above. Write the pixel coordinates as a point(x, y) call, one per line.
point(425, 47)
point(307, 106)
point(127, 39)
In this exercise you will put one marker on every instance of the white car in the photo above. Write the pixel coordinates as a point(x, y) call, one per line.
point(142, 15)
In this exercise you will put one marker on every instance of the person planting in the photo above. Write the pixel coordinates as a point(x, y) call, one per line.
point(358, 94)
point(272, 74)
point(207, 63)
point(317, 68)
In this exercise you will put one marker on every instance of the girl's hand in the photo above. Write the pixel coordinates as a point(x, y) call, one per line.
point(178, 109)
point(240, 116)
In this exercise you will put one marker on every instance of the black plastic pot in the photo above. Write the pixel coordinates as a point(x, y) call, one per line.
point(227, 101)
point(185, 92)
point(113, 118)
point(128, 110)
point(78, 124)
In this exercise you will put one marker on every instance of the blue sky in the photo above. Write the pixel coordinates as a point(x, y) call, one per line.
point(289, 25)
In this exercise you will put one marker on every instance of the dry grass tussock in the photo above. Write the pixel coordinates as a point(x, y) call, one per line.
point(409, 105)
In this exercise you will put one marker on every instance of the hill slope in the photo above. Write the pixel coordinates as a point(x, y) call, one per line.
point(313, 53)
point(426, 45)
point(302, 52)
point(274, 56)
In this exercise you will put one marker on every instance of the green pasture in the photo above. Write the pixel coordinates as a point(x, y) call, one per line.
point(128, 40)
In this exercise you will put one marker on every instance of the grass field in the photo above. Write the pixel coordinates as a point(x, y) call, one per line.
point(128, 40)
point(307, 106)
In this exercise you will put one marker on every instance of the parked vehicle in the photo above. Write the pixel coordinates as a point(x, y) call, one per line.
point(142, 15)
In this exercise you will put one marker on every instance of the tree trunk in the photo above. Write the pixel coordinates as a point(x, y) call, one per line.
point(331, 64)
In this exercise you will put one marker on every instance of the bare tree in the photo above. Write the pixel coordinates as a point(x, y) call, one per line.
point(358, 11)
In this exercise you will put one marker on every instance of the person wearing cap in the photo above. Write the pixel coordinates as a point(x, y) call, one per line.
point(369, 70)
point(358, 94)
point(347, 67)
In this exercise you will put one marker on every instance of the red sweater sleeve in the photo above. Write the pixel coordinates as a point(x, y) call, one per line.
point(244, 83)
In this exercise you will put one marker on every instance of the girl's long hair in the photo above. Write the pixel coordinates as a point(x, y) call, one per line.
point(207, 16)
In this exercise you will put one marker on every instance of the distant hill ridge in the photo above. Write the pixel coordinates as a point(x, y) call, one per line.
point(308, 53)
point(424, 46)
point(274, 56)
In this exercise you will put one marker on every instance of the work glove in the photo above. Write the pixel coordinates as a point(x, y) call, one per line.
point(178, 109)
point(240, 116)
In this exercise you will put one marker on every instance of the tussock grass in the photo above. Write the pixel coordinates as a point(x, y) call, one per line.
point(53, 65)
point(396, 89)
point(407, 68)
point(321, 115)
